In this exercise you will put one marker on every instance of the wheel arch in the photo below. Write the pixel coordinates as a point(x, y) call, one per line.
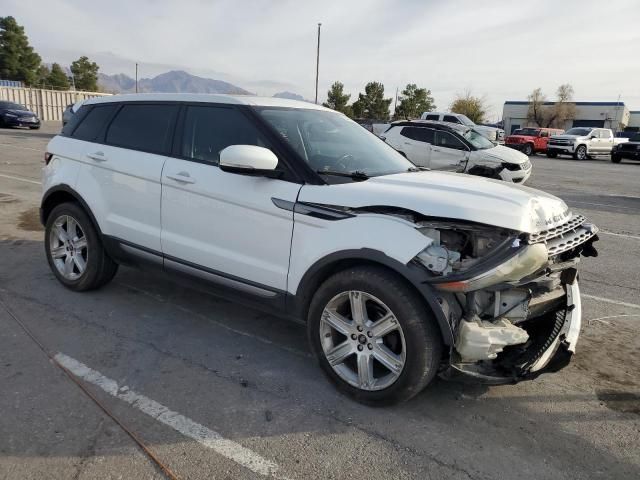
point(61, 194)
point(412, 275)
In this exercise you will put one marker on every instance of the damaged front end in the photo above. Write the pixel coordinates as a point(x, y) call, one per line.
point(512, 300)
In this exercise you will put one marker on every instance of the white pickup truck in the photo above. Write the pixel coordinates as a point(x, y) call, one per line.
point(583, 142)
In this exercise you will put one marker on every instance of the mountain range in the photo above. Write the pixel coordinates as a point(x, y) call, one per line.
point(175, 81)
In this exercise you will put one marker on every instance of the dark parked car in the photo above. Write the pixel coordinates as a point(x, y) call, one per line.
point(629, 150)
point(16, 115)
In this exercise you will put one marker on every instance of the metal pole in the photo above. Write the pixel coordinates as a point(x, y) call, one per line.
point(136, 78)
point(395, 105)
point(318, 61)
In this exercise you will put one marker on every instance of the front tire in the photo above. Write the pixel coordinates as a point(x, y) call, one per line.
point(580, 153)
point(74, 250)
point(528, 150)
point(616, 159)
point(373, 336)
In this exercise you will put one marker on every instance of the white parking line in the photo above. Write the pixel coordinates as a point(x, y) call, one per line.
point(201, 434)
point(625, 235)
point(608, 300)
point(20, 179)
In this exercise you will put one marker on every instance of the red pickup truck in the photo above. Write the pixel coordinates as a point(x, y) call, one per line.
point(531, 140)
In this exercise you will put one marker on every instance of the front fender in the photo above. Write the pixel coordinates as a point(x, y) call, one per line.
point(319, 246)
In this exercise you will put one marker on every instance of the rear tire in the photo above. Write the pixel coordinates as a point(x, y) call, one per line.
point(374, 363)
point(552, 154)
point(580, 153)
point(75, 251)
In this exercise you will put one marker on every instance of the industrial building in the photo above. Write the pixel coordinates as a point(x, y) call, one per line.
point(613, 115)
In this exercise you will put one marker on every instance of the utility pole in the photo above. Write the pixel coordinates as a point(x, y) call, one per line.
point(136, 77)
point(318, 62)
point(395, 105)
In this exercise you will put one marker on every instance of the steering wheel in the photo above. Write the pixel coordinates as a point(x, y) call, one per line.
point(343, 161)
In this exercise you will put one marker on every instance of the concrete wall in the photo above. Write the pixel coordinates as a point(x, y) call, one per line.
point(47, 104)
point(611, 115)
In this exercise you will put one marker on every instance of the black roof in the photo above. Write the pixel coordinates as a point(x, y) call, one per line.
point(436, 125)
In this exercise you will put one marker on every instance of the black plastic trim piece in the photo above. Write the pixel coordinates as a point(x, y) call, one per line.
point(324, 212)
point(283, 204)
point(258, 295)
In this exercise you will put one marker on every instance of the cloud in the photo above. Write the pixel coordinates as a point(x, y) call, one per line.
point(500, 49)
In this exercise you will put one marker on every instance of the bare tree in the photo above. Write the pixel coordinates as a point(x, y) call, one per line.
point(542, 114)
point(536, 112)
point(473, 107)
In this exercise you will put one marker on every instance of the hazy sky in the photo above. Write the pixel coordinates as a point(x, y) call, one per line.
point(500, 49)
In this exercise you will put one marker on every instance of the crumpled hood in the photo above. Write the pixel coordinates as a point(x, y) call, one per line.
point(449, 195)
point(504, 154)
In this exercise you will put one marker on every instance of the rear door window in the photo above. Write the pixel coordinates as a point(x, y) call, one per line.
point(447, 140)
point(89, 125)
point(208, 130)
point(144, 127)
point(425, 135)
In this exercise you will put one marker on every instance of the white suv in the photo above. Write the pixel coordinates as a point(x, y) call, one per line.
point(399, 274)
point(456, 148)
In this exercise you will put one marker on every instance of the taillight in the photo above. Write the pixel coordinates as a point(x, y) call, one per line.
point(47, 157)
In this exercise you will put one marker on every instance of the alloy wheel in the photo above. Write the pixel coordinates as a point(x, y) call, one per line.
point(581, 153)
point(68, 247)
point(362, 340)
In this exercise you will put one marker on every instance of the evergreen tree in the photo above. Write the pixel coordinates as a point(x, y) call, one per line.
point(57, 78)
point(85, 74)
point(18, 60)
point(414, 102)
point(372, 105)
point(337, 99)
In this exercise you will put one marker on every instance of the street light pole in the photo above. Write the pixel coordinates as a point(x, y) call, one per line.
point(136, 78)
point(318, 61)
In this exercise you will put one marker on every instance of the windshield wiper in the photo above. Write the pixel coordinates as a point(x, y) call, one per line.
point(418, 169)
point(356, 174)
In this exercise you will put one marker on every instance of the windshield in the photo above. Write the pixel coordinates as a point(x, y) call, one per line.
point(530, 132)
point(466, 121)
point(12, 106)
point(329, 141)
point(477, 140)
point(578, 131)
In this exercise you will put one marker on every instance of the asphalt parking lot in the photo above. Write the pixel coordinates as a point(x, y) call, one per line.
point(217, 390)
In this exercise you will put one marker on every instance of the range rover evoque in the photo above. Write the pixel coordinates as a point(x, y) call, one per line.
point(399, 274)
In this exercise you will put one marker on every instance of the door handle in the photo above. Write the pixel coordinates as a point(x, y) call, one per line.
point(97, 156)
point(182, 177)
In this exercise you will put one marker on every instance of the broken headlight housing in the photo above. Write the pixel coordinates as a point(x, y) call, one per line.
point(465, 257)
